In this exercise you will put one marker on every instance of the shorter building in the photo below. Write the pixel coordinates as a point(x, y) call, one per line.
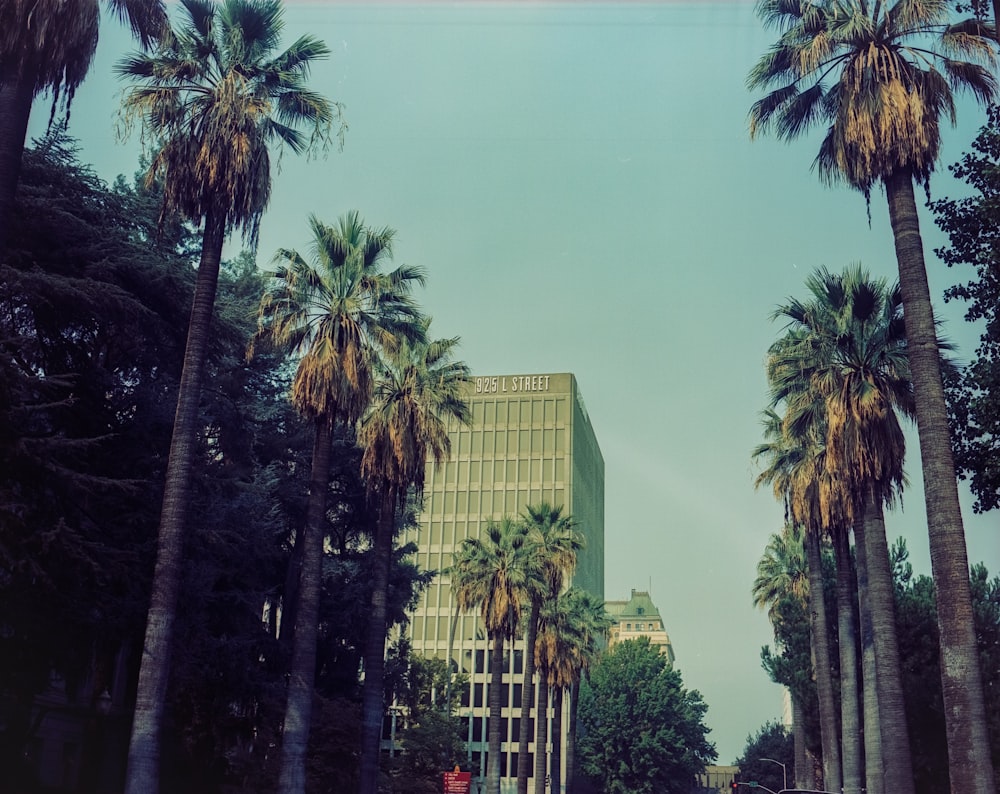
point(638, 617)
point(716, 780)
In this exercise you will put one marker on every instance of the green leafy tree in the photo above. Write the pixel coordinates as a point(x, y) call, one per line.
point(971, 224)
point(212, 97)
point(417, 393)
point(772, 741)
point(337, 312)
point(642, 731)
point(882, 75)
point(88, 352)
point(49, 45)
point(493, 572)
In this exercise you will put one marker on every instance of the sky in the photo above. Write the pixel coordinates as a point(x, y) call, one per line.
point(578, 181)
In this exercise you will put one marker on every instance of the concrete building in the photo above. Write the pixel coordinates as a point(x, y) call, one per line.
point(638, 617)
point(530, 440)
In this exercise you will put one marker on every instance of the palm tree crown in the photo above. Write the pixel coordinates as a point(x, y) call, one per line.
point(491, 573)
point(214, 95)
point(880, 74)
point(337, 311)
point(418, 388)
point(842, 369)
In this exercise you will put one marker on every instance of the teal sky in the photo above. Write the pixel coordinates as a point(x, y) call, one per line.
point(578, 181)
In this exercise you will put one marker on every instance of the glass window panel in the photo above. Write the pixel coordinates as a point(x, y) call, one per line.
point(477, 412)
point(511, 471)
point(477, 730)
point(536, 471)
point(501, 412)
point(473, 502)
point(510, 502)
point(560, 469)
point(477, 442)
point(463, 472)
point(418, 627)
point(487, 442)
point(514, 415)
point(498, 502)
point(474, 471)
point(548, 437)
point(560, 411)
point(489, 412)
point(424, 536)
point(560, 440)
point(488, 472)
point(550, 412)
point(450, 470)
point(449, 533)
point(479, 695)
point(462, 502)
point(443, 628)
point(559, 497)
point(449, 503)
point(524, 443)
point(512, 445)
point(522, 500)
point(536, 442)
point(536, 412)
point(525, 412)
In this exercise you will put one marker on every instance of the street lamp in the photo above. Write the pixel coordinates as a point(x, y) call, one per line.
point(784, 772)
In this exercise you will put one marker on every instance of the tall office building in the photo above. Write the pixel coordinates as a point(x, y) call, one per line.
point(529, 441)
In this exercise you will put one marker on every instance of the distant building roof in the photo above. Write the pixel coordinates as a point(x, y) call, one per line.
point(638, 617)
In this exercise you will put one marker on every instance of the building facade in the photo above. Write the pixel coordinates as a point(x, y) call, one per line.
point(529, 441)
point(638, 617)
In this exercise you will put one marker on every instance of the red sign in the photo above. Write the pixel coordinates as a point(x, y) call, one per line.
point(457, 782)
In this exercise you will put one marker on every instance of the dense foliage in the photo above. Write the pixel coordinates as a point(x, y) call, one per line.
point(641, 731)
point(973, 227)
point(774, 742)
point(92, 313)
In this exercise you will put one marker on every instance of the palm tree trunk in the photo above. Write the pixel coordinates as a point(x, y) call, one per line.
point(15, 110)
point(527, 699)
point(803, 769)
point(302, 671)
point(874, 781)
point(142, 776)
point(557, 721)
point(821, 664)
point(541, 733)
point(969, 764)
point(495, 716)
point(850, 717)
point(897, 765)
point(574, 699)
point(373, 707)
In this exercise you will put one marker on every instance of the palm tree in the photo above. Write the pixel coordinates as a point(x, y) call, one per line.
point(782, 573)
point(50, 45)
point(339, 311)
point(559, 638)
point(845, 358)
point(418, 390)
point(493, 573)
point(213, 96)
point(795, 469)
point(555, 543)
point(882, 75)
point(592, 624)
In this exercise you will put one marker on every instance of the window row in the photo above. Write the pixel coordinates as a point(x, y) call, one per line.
point(477, 473)
point(441, 509)
point(520, 412)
